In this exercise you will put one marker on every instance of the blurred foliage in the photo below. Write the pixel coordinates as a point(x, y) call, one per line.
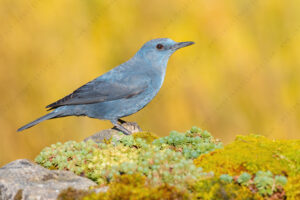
point(242, 76)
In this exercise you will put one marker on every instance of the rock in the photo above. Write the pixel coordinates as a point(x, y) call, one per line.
point(22, 179)
point(114, 132)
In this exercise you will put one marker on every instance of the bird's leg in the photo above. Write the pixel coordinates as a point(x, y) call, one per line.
point(120, 127)
point(121, 121)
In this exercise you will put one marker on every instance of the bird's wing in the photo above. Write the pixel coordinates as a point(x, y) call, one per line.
point(101, 90)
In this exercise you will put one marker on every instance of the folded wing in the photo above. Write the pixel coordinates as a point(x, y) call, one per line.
point(100, 90)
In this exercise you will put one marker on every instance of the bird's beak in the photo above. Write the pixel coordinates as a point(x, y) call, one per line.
point(179, 45)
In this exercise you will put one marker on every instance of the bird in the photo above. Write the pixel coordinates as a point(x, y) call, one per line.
point(120, 92)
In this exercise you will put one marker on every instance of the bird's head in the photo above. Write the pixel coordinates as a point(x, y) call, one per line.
point(158, 51)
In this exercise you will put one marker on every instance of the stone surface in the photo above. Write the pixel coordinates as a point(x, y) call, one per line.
point(113, 132)
point(22, 179)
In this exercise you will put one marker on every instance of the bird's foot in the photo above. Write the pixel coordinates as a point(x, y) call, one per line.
point(121, 121)
point(120, 127)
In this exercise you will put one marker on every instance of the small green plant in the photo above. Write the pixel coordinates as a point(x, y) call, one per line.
point(267, 184)
point(226, 178)
point(191, 144)
point(264, 182)
point(244, 179)
point(280, 180)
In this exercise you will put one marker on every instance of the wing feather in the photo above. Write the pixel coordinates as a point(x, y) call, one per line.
point(100, 90)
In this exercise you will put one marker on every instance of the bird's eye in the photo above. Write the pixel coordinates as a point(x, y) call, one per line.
point(159, 46)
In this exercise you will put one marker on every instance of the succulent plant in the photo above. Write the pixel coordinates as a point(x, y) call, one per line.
point(267, 184)
point(244, 179)
point(280, 180)
point(191, 144)
point(226, 178)
point(264, 182)
point(129, 155)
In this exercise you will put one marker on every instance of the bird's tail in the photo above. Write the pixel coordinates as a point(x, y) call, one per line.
point(35, 122)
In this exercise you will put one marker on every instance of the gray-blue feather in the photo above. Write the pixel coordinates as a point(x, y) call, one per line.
point(123, 90)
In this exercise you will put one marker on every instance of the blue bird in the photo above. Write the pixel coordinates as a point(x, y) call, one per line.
point(122, 91)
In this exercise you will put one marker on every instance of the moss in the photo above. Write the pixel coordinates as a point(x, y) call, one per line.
point(215, 189)
point(19, 195)
point(134, 187)
point(292, 188)
point(72, 194)
point(149, 137)
point(254, 153)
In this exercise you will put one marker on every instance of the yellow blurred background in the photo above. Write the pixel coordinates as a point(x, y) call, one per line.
point(242, 76)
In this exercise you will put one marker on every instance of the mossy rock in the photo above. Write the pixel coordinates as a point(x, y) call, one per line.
point(131, 154)
point(143, 166)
